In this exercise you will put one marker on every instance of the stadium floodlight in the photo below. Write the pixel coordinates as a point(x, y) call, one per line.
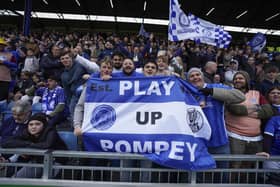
point(267, 31)
point(129, 20)
point(34, 14)
point(276, 33)
point(242, 14)
point(271, 17)
point(78, 3)
point(60, 15)
point(46, 2)
point(145, 4)
point(111, 3)
point(210, 11)
point(5, 12)
point(88, 17)
point(49, 15)
point(243, 29)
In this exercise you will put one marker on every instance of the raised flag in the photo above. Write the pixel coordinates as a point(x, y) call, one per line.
point(156, 117)
point(258, 42)
point(182, 27)
point(142, 32)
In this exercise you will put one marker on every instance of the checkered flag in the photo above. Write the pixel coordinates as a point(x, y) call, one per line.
point(195, 20)
point(222, 38)
point(182, 27)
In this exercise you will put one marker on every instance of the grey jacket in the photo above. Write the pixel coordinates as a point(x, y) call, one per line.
point(79, 110)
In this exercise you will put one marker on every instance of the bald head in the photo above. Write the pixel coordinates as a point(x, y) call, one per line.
point(210, 67)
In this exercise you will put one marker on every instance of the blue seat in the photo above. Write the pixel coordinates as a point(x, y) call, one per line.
point(5, 110)
point(70, 140)
point(7, 114)
point(36, 108)
point(4, 116)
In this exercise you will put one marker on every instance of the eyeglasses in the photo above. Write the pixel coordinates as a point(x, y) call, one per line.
point(152, 67)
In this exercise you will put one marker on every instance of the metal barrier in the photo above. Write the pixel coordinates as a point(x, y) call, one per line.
point(82, 167)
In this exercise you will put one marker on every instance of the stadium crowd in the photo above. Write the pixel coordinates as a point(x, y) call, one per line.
point(42, 80)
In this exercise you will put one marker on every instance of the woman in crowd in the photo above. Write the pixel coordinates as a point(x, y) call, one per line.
point(38, 135)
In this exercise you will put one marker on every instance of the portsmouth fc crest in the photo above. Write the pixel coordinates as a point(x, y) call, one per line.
point(103, 117)
point(194, 119)
point(184, 20)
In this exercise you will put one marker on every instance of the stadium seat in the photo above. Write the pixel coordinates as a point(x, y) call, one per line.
point(70, 140)
point(36, 108)
point(7, 114)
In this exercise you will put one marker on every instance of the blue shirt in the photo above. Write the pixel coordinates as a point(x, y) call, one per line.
point(214, 111)
point(51, 98)
point(273, 129)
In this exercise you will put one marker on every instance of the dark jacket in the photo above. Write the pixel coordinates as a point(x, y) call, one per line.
point(48, 139)
point(10, 128)
point(50, 65)
point(208, 78)
point(104, 53)
point(266, 85)
point(71, 79)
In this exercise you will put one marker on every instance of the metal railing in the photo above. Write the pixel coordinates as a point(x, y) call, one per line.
point(111, 167)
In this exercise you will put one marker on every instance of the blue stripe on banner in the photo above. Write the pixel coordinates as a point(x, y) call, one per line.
point(170, 150)
point(154, 89)
point(117, 111)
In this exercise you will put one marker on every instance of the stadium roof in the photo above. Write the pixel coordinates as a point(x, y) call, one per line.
point(242, 13)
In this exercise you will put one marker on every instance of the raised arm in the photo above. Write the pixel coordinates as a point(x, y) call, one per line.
point(229, 96)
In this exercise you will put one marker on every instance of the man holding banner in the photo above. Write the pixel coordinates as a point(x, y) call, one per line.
point(212, 98)
point(151, 116)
